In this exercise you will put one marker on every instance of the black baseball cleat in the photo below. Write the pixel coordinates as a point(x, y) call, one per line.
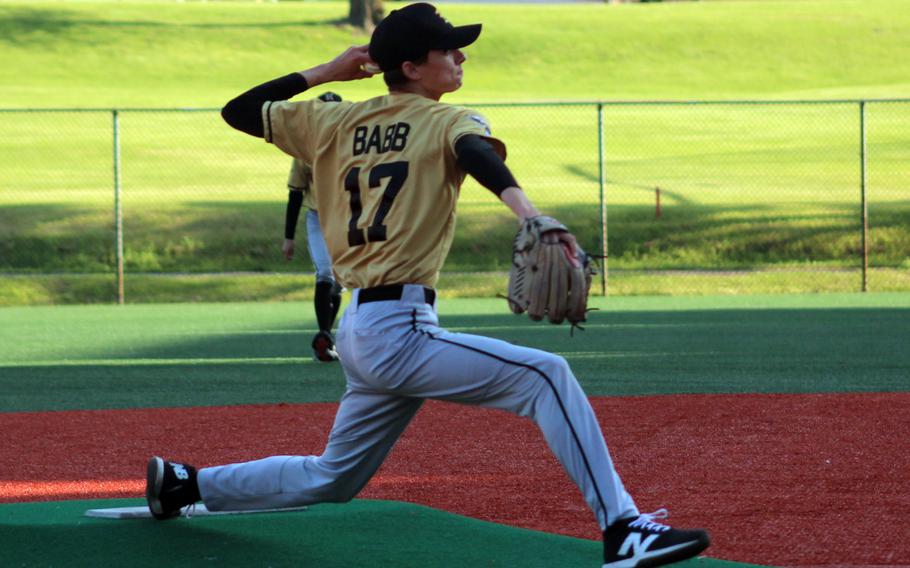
point(641, 542)
point(170, 486)
point(324, 347)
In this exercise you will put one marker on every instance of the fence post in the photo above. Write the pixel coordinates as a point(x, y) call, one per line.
point(118, 207)
point(862, 183)
point(601, 177)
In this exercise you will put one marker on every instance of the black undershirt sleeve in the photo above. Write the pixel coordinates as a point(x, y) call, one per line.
point(477, 157)
point(295, 200)
point(245, 111)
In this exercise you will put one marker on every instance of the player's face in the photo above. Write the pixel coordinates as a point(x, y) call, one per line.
point(441, 73)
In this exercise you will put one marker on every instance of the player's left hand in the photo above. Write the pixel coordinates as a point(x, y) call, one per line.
point(569, 243)
point(550, 275)
point(288, 248)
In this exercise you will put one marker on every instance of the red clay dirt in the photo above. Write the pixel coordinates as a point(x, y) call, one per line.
point(784, 480)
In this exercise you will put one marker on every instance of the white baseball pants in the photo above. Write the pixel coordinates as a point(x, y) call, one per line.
point(395, 355)
point(319, 252)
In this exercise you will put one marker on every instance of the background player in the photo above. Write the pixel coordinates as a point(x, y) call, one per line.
point(327, 294)
point(387, 173)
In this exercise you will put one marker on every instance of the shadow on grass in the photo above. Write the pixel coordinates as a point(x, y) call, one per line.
point(24, 26)
point(56, 237)
point(584, 173)
point(200, 237)
point(139, 385)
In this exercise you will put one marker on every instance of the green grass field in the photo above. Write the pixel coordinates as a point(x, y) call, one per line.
point(161, 54)
point(212, 354)
point(742, 186)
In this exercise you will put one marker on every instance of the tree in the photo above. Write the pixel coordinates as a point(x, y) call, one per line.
point(365, 14)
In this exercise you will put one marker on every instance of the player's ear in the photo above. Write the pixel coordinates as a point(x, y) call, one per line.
point(410, 71)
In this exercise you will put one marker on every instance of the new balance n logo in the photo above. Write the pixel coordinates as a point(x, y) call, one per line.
point(634, 542)
point(180, 471)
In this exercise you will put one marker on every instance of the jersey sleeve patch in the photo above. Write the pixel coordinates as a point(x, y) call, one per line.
point(472, 122)
point(483, 122)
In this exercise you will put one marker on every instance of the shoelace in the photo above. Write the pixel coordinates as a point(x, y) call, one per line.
point(189, 511)
point(646, 521)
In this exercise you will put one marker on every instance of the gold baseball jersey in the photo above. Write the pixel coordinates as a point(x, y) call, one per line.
point(300, 179)
point(385, 180)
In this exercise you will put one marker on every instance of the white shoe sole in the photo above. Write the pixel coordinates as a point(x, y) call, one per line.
point(154, 481)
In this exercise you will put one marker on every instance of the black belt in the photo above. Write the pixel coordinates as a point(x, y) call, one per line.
point(391, 292)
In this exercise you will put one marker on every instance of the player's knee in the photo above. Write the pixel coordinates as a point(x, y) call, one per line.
point(343, 487)
point(558, 374)
point(345, 497)
point(341, 492)
point(333, 492)
point(555, 366)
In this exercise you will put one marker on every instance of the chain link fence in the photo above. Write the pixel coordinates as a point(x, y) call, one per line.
point(680, 198)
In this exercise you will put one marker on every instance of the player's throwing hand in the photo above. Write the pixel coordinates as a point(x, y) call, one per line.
point(348, 66)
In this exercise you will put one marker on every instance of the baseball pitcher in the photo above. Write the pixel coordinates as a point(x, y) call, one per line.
point(386, 179)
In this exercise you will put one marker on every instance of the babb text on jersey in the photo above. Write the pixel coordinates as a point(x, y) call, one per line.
point(374, 139)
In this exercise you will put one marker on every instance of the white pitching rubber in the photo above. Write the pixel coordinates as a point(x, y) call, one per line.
point(142, 512)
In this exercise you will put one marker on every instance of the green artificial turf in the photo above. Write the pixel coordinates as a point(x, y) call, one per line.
point(85, 357)
point(360, 533)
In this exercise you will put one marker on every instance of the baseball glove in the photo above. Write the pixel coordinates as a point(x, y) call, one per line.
point(543, 281)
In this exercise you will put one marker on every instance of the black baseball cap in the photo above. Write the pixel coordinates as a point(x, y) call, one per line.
point(409, 33)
